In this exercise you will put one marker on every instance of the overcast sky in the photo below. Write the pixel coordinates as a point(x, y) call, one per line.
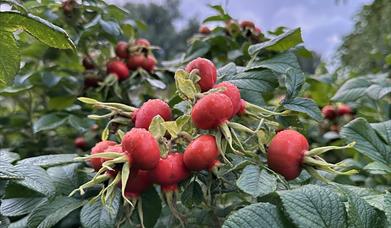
point(323, 22)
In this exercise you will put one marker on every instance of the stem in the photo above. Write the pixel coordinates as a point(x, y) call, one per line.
point(140, 212)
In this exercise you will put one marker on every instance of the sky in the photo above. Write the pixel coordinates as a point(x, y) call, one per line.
point(323, 22)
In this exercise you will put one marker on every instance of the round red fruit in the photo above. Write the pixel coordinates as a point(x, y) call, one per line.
point(201, 153)
point(80, 142)
point(170, 171)
point(149, 110)
point(149, 63)
point(141, 148)
point(142, 42)
point(211, 111)
point(88, 63)
point(328, 112)
point(136, 61)
point(247, 24)
point(233, 93)
point(204, 30)
point(138, 182)
point(121, 49)
point(344, 109)
point(206, 70)
point(286, 153)
point(119, 69)
point(242, 108)
point(100, 147)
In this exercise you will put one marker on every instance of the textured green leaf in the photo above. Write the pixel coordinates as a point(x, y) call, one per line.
point(192, 195)
point(156, 128)
point(314, 206)
point(94, 214)
point(21, 223)
point(387, 206)
point(226, 70)
point(378, 91)
point(8, 171)
point(198, 49)
point(42, 30)
point(376, 201)
point(18, 206)
point(367, 141)
point(255, 216)
point(66, 178)
point(304, 105)
point(256, 182)
point(110, 27)
point(384, 129)
point(7, 156)
point(282, 42)
point(52, 211)
point(49, 160)
point(35, 178)
point(377, 168)
point(152, 207)
point(352, 90)
point(48, 122)
point(184, 84)
point(4, 222)
point(255, 81)
point(360, 213)
point(9, 57)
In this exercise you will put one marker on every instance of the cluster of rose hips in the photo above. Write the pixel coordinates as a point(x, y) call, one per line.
point(130, 56)
point(335, 114)
point(248, 28)
point(143, 158)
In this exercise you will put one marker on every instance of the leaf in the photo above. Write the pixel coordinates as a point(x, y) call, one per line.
point(81, 124)
point(360, 213)
point(156, 128)
point(184, 84)
point(66, 178)
point(9, 57)
point(46, 161)
point(7, 156)
point(304, 105)
point(18, 206)
point(226, 70)
point(192, 195)
point(21, 223)
point(384, 130)
point(198, 49)
point(377, 168)
point(35, 178)
point(282, 42)
point(255, 216)
point(8, 171)
point(378, 91)
point(256, 182)
point(156, 83)
point(352, 90)
point(52, 211)
point(216, 18)
point(367, 141)
point(259, 81)
point(171, 128)
point(94, 214)
point(387, 206)
point(4, 222)
point(152, 207)
point(314, 206)
point(42, 30)
point(48, 122)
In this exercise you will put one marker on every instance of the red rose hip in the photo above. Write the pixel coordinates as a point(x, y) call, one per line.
point(206, 70)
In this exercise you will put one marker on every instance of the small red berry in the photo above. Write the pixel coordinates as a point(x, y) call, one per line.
point(88, 63)
point(149, 110)
point(118, 68)
point(247, 25)
point(142, 42)
point(233, 93)
point(204, 30)
point(344, 109)
point(207, 72)
point(328, 112)
point(80, 142)
point(242, 108)
point(100, 147)
point(136, 61)
point(121, 49)
point(138, 182)
point(201, 153)
point(149, 63)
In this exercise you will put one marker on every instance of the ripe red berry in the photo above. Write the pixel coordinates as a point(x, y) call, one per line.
point(201, 153)
point(233, 93)
point(121, 49)
point(328, 112)
point(257, 31)
point(141, 148)
point(136, 61)
point(211, 111)
point(170, 171)
point(286, 153)
point(242, 108)
point(344, 109)
point(149, 110)
point(88, 63)
point(247, 25)
point(149, 63)
point(91, 81)
point(142, 42)
point(118, 68)
point(80, 142)
point(204, 30)
point(100, 147)
point(207, 72)
point(138, 182)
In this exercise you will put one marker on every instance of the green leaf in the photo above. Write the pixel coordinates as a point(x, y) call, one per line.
point(378, 91)
point(259, 81)
point(9, 57)
point(14, 89)
point(156, 128)
point(46, 161)
point(314, 206)
point(35, 178)
point(20, 223)
point(94, 214)
point(255, 216)
point(377, 168)
point(387, 206)
point(110, 27)
point(156, 83)
point(7, 156)
point(360, 213)
point(8, 171)
point(256, 182)
point(48, 122)
point(66, 178)
point(18, 206)
point(184, 84)
point(42, 30)
point(216, 18)
point(192, 195)
point(81, 124)
point(352, 90)
point(304, 105)
point(384, 130)
point(4, 222)
point(226, 70)
point(282, 42)
point(198, 49)
point(152, 207)
point(52, 211)
point(171, 128)
point(367, 141)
